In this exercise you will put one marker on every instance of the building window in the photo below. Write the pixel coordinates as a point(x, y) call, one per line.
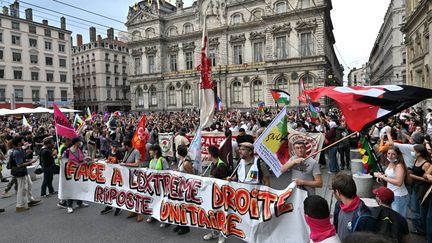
point(61, 48)
point(62, 62)
point(236, 19)
point(117, 97)
point(137, 66)
point(173, 62)
point(61, 36)
point(212, 56)
point(16, 56)
point(19, 95)
point(15, 25)
point(50, 77)
point(282, 83)
point(116, 82)
point(1, 55)
point(281, 47)
point(281, 7)
point(50, 94)
point(151, 64)
point(304, 3)
point(1, 73)
point(49, 61)
point(35, 95)
point(17, 74)
point(257, 91)
point(139, 97)
point(108, 81)
point(32, 29)
point(172, 31)
point(187, 94)
point(171, 95)
point(237, 92)
point(306, 44)
point(16, 40)
point(108, 94)
point(48, 45)
point(153, 96)
point(238, 54)
point(63, 95)
point(63, 78)
point(33, 42)
point(256, 15)
point(47, 32)
point(189, 60)
point(34, 76)
point(150, 33)
point(2, 95)
point(258, 51)
point(308, 81)
point(1, 37)
point(188, 28)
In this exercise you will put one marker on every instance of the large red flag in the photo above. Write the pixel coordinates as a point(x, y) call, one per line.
point(62, 124)
point(140, 138)
point(364, 106)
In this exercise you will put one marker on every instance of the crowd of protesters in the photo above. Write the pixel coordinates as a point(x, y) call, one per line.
point(402, 144)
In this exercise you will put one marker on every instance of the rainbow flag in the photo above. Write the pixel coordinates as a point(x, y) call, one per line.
point(280, 96)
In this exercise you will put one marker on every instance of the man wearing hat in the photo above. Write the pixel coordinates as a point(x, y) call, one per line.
point(251, 169)
point(390, 222)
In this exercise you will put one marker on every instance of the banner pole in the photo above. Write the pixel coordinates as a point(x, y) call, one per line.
point(235, 170)
point(338, 141)
point(211, 163)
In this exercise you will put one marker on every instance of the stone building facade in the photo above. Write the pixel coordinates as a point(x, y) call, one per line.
point(254, 46)
point(388, 56)
point(358, 76)
point(35, 68)
point(100, 71)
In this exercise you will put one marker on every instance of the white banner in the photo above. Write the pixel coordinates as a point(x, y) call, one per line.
point(251, 213)
point(313, 141)
point(166, 143)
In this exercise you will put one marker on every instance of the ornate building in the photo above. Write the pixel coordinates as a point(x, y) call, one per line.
point(100, 70)
point(417, 29)
point(254, 46)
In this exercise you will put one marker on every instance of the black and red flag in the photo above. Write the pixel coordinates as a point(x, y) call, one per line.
point(365, 106)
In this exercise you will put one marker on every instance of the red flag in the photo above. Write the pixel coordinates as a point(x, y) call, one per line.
point(364, 106)
point(62, 124)
point(140, 138)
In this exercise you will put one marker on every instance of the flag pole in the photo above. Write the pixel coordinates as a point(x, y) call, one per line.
point(331, 145)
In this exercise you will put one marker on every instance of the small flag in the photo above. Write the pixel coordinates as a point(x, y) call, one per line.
point(369, 160)
point(280, 96)
point(313, 110)
point(26, 124)
point(261, 107)
point(218, 104)
point(78, 122)
point(62, 124)
point(140, 138)
point(117, 113)
point(88, 114)
point(195, 146)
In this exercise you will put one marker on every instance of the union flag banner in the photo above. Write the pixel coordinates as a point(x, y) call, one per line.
point(166, 143)
point(140, 138)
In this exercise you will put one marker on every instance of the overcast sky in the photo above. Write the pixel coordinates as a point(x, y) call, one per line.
point(356, 22)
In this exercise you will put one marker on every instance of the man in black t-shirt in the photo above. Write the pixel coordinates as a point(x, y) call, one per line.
point(243, 137)
point(390, 222)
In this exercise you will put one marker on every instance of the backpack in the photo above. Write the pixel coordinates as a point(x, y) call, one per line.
point(362, 220)
point(15, 170)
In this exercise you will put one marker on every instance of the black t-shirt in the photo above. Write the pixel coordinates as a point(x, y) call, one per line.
point(391, 223)
point(46, 158)
point(245, 138)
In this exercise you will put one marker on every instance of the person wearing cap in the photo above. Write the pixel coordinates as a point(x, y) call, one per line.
point(243, 137)
point(390, 222)
point(75, 155)
point(317, 216)
point(305, 172)
point(251, 169)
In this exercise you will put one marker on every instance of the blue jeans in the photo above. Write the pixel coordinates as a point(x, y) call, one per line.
point(400, 205)
point(429, 220)
point(417, 220)
point(333, 163)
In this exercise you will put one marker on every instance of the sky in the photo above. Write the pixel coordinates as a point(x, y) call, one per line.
point(356, 22)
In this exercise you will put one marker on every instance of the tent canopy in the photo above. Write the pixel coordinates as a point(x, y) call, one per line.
point(24, 110)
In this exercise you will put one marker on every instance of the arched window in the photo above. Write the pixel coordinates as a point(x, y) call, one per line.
point(257, 91)
point(139, 97)
point(257, 14)
point(281, 7)
point(136, 35)
point(282, 83)
point(308, 81)
point(237, 96)
point(187, 28)
point(171, 95)
point(236, 18)
point(150, 32)
point(172, 31)
point(153, 96)
point(187, 94)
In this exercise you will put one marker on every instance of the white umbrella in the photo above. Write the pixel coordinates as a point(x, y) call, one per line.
point(21, 110)
point(43, 110)
point(3, 111)
point(67, 110)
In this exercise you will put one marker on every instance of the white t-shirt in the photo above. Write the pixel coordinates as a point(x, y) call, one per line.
point(406, 150)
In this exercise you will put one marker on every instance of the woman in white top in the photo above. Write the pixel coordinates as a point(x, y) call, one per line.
point(396, 176)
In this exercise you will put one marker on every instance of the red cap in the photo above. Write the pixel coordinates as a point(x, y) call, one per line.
point(384, 194)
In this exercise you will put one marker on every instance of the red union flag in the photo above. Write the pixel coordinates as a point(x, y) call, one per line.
point(207, 97)
point(364, 106)
point(62, 124)
point(140, 138)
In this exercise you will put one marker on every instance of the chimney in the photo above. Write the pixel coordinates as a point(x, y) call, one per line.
point(71, 41)
point(110, 34)
point(92, 31)
point(29, 14)
point(5, 11)
point(79, 40)
point(14, 9)
point(45, 22)
point(99, 40)
point(63, 23)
